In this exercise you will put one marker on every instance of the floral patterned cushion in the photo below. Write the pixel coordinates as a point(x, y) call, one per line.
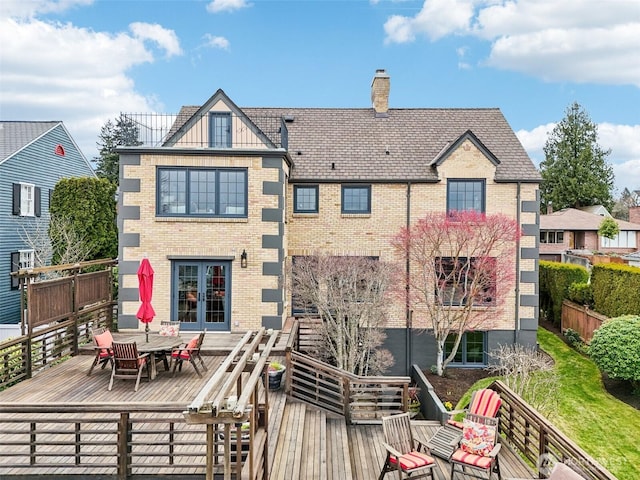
point(169, 330)
point(477, 438)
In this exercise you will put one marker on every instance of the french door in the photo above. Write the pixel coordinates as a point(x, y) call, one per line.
point(202, 295)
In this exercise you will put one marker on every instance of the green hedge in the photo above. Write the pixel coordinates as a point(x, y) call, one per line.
point(555, 280)
point(616, 289)
point(581, 293)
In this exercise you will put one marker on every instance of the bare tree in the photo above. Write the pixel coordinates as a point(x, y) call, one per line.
point(460, 269)
point(349, 294)
point(41, 236)
point(529, 373)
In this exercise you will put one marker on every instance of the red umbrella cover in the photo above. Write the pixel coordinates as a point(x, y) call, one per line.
point(145, 288)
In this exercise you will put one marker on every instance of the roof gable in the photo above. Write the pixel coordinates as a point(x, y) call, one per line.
point(15, 136)
point(452, 147)
point(188, 118)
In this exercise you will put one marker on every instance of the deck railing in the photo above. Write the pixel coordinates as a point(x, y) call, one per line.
point(537, 439)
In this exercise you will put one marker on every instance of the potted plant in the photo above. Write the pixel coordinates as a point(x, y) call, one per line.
point(275, 370)
point(414, 401)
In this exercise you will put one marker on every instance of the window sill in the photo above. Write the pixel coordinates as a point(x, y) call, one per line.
point(355, 215)
point(202, 220)
point(306, 214)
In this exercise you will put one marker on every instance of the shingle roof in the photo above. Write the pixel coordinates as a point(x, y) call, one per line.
point(16, 135)
point(574, 219)
point(400, 146)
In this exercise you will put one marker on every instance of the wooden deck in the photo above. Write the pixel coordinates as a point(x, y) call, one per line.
point(304, 442)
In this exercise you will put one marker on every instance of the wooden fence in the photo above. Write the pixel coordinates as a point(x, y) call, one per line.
point(535, 438)
point(581, 319)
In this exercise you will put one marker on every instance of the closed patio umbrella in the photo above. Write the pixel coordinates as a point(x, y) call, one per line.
point(145, 290)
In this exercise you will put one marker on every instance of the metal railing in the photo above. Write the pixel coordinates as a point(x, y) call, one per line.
point(200, 130)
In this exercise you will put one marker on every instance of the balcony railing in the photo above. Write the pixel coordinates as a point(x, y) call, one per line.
point(206, 130)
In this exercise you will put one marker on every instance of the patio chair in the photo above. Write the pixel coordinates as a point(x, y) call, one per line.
point(189, 352)
point(404, 452)
point(128, 363)
point(477, 454)
point(485, 402)
point(102, 340)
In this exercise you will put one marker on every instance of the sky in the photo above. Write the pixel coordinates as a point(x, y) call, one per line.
point(85, 61)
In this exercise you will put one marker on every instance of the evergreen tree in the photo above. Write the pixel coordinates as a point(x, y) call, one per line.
point(88, 206)
point(124, 132)
point(575, 172)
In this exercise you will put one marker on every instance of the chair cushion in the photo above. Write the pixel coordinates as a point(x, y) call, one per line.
point(486, 402)
point(105, 339)
point(456, 424)
point(413, 460)
point(184, 354)
point(477, 438)
point(470, 459)
point(169, 330)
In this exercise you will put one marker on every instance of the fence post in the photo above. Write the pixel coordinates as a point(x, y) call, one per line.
point(346, 399)
point(124, 448)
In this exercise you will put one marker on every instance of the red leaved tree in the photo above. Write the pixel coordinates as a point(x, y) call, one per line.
point(461, 267)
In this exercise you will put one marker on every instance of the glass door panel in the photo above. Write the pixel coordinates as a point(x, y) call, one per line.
point(187, 293)
point(216, 314)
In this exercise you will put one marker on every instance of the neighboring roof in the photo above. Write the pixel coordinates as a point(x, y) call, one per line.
point(574, 219)
point(334, 144)
point(14, 136)
point(597, 209)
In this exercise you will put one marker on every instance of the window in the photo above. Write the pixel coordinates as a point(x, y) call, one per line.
point(356, 199)
point(305, 199)
point(26, 200)
point(460, 279)
point(202, 192)
point(551, 237)
point(471, 350)
point(465, 195)
point(22, 259)
point(220, 129)
point(624, 239)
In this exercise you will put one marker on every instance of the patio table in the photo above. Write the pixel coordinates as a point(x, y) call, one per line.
point(157, 344)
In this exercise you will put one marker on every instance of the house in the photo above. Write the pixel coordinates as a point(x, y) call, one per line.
point(574, 229)
point(34, 156)
point(224, 198)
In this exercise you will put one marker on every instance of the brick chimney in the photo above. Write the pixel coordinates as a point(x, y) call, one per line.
point(549, 208)
point(380, 93)
point(634, 214)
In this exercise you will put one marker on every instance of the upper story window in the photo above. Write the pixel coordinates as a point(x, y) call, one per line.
point(460, 280)
point(220, 129)
point(356, 199)
point(202, 192)
point(305, 199)
point(551, 236)
point(465, 194)
point(26, 200)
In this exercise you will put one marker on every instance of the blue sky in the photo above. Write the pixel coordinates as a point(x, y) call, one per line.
point(84, 61)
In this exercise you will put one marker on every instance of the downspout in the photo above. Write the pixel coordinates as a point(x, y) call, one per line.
point(516, 332)
point(407, 304)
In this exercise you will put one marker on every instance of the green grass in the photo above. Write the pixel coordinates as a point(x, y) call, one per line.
point(604, 427)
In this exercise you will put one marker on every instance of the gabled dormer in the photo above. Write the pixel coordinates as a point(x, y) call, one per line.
point(220, 124)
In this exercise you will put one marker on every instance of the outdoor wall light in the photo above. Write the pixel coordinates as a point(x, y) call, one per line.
point(243, 259)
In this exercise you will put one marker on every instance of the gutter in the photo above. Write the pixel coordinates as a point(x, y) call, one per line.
point(408, 312)
point(516, 331)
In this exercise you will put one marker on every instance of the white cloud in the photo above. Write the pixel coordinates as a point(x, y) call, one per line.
point(217, 6)
point(216, 42)
point(29, 8)
point(166, 39)
point(53, 71)
point(623, 140)
point(580, 41)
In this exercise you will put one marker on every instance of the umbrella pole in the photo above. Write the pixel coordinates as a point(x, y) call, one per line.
point(146, 331)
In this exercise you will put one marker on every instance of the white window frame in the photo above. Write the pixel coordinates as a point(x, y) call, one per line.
point(624, 239)
point(27, 259)
point(27, 200)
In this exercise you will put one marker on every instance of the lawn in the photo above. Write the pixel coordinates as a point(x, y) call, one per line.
point(606, 428)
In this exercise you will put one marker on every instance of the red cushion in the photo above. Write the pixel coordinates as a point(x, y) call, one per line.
point(412, 460)
point(455, 423)
point(471, 459)
point(184, 354)
point(105, 339)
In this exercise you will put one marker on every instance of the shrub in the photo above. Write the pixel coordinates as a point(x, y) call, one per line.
point(615, 289)
point(555, 280)
point(581, 293)
point(615, 348)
